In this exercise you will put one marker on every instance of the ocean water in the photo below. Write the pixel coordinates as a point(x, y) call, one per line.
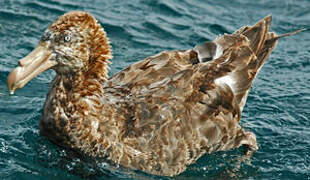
point(277, 110)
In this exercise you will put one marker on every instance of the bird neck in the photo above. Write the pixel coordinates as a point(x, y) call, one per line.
point(81, 84)
point(72, 104)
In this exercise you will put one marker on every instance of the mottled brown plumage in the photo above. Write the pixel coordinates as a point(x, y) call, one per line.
point(158, 115)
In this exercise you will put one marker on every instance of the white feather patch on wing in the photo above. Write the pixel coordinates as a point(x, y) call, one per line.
point(218, 52)
point(228, 79)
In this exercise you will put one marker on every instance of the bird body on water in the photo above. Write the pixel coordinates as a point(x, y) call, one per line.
point(158, 115)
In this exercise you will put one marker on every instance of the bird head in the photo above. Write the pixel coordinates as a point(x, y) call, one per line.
point(74, 43)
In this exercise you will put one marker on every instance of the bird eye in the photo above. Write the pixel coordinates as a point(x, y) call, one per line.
point(67, 38)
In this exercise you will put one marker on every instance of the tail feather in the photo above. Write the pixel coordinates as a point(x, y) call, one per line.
point(245, 51)
point(287, 34)
point(257, 34)
point(262, 42)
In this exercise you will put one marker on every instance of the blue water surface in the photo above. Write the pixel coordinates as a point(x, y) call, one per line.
point(277, 110)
